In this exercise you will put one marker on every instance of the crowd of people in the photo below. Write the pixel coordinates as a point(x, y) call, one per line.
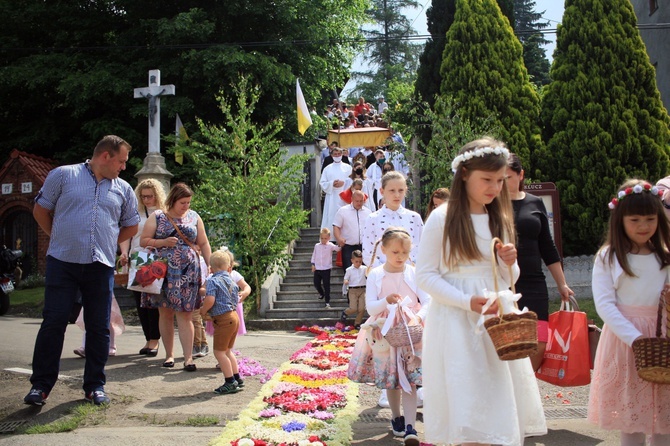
point(81, 264)
point(363, 114)
point(430, 275)
point(437, 274)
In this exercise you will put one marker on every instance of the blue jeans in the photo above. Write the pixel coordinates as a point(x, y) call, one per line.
point(63, 283)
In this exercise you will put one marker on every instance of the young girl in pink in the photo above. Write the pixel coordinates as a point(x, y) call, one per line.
point(397, 370)
point(629, 274)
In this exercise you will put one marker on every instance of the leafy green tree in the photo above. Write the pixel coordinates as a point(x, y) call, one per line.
point(68, 69)
point(528, 27)
point(482, 69)
point(391, 54)
point(248, 190)
point(450, 131)
point(603, 117)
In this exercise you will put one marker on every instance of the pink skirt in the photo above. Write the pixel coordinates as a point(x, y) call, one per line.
point(619, 399)
point(242, 330)
point(240, 314)
point(115, 319)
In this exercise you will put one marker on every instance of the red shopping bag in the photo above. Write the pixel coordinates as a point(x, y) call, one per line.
point(567, 358)
point(338, 259)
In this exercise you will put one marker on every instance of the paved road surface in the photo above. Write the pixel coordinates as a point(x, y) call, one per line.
point(149, 400)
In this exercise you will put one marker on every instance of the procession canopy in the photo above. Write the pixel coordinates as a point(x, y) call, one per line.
point(360, 137)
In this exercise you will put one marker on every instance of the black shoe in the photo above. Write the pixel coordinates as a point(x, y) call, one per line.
point(190, 367)
point(343, 316)
point(240, 383)
point(227, 388)
point(36, 397)
point(398, 426)
point(320, 297)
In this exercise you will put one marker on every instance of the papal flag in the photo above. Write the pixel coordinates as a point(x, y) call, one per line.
point(180, 132)
point(304, 119)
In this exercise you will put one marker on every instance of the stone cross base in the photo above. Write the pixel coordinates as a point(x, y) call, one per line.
point(154, 167)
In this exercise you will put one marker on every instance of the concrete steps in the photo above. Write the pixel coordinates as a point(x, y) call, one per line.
point(297, 298)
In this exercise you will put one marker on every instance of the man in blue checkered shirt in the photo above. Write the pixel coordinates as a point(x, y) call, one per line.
point(86, 210)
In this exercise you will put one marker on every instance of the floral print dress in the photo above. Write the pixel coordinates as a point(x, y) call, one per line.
point(180, 288)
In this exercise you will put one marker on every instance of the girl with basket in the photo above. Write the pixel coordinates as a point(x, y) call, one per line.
point(474, 397)
point(629, 275)
point(393, 363)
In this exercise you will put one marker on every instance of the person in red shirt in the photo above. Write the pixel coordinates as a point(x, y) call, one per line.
point(362, 107)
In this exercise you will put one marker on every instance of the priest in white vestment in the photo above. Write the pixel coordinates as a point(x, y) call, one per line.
point(332, 183)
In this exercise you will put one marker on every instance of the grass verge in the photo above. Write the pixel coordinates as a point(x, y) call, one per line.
point(81, 414)
point(588, 306)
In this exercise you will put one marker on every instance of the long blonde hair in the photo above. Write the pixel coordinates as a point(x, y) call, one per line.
point(391, 233)
point(157, 189)
point(459, 233)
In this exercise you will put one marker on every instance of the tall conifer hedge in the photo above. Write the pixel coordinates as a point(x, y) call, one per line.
point(603, 117)
point(483, 70)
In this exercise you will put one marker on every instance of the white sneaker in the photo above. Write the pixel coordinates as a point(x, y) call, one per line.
point(383, 400)
point(327, 305)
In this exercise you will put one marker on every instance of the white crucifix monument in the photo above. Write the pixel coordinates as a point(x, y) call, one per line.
point(154, 163)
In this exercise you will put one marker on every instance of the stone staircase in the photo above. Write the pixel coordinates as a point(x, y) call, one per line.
point(297, 299)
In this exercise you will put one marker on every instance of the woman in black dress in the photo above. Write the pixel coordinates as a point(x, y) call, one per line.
point(534, 246)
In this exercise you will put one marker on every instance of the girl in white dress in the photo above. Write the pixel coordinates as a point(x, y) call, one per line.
point(394, 189)
point(630, 272)
point(474, 397)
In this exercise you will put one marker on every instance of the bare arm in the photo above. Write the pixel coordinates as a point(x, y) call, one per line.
point(202, 241)
point(245, 289)
point(126, 232)
point(43, 217)
point(557, 273)
point(337, 232)
point(207, 304)
point(147, 239)
point(124, 246)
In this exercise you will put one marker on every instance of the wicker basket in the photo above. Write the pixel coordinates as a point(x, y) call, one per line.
point(652, 355)
point(514, 335)
point(120, 278)
point(401, 335)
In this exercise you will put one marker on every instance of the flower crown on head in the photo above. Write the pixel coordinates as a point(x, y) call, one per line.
point(637, 189)
point(480, 152)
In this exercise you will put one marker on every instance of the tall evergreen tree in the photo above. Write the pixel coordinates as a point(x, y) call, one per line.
point(528, 26)
point(603, 117)
point(439, 17)
point(391, 54)
point(483, 70)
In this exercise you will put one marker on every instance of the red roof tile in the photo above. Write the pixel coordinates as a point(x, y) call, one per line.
point(37, 166)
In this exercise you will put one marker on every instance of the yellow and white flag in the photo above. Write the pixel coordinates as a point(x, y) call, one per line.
point(304, 119)
point(181, 137)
